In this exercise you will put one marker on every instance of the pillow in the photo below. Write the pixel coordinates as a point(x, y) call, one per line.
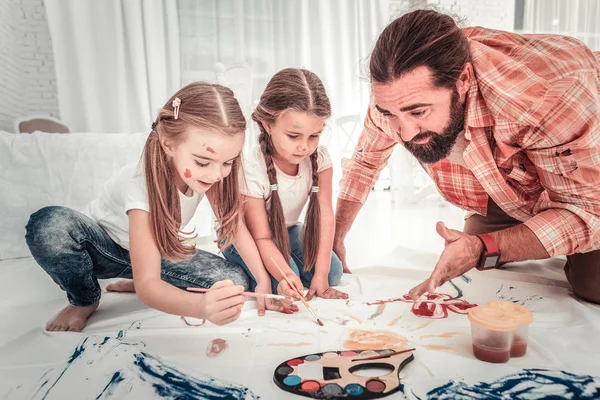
point(43, 169)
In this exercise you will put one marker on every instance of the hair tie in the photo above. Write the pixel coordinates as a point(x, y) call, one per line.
point(154, 125)
point(315, 189)
point(274, 187)
point(176, 103)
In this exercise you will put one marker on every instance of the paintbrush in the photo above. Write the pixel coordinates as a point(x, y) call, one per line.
point(297, 291)
point(249, 294)
point(383, 355)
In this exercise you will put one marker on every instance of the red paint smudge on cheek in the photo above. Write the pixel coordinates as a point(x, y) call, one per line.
point(187, 173)
point(210, 150)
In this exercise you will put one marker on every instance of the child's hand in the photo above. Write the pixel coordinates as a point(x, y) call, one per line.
point(320, 287)
point(284, 288)
point(262, 287)
point(283, 306)
point(223, 302)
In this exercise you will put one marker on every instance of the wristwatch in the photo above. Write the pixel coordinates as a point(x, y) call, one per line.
point(490, 257)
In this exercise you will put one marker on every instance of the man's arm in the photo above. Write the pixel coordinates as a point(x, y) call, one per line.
point(360, 173)
point(566, 155)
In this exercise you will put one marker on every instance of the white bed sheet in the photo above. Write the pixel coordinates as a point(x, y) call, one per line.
point(124, 335)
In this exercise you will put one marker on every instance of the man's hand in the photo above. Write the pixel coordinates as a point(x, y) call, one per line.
point(462, 253)
point(340, 250)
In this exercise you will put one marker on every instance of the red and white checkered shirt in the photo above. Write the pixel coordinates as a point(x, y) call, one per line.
point(532, 131)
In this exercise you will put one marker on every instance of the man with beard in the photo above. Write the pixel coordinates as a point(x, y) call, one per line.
point(508, 128)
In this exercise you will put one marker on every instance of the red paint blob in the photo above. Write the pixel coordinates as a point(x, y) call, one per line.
point(437, 305)
point(216, 347)
point(295, 362)
point(376, 386)
point(187, 173)
point(210, 150)
point(491, 355)
point(311, 386)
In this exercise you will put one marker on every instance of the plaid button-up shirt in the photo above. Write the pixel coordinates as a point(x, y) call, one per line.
point(532, 132)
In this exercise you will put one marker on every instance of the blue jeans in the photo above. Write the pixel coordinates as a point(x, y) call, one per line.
point(75, 251)
point(296, 262)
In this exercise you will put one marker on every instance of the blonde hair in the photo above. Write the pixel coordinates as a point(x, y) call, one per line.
point(298, 90)
point(205, 106)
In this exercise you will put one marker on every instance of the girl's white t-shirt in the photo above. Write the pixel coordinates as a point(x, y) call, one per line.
point(293, 190)
point(124, 191)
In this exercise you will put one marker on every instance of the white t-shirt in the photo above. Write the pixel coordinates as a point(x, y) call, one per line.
point(293, 190)
point(125, 191)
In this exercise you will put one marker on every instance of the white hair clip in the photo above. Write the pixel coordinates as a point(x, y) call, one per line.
point(176, 103)
point(274, 187)
point(315, 189)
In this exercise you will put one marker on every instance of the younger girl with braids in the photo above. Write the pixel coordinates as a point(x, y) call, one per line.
point(288, 169)
point(132, 230)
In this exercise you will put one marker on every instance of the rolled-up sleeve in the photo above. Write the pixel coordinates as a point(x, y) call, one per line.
point(370, 156)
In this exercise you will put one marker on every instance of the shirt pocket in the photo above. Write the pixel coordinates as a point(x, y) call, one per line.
point(521, 170)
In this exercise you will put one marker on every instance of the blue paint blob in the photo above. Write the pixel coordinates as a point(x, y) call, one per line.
point(526, 384)
point(292, 380)
point(108, 389)
point(354, 389)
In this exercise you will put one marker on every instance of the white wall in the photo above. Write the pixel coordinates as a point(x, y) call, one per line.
point(9, 64)
point(28, 83)
point(494, 14)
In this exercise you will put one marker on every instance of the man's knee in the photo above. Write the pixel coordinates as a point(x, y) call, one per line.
point(583, 273)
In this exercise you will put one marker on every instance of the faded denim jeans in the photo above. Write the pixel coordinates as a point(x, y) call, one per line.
point(296, 262)
point(75, 251)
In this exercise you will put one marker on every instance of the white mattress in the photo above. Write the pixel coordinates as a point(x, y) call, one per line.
point(130, 351)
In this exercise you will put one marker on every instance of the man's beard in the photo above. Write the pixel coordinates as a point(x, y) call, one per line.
point(440, 144)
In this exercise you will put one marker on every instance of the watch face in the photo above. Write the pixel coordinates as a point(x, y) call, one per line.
point(491, 261)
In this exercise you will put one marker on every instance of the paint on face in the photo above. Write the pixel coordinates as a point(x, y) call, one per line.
point(187, 173)
point(211, 150)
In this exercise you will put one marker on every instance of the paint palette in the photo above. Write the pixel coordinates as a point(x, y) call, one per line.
point(336, 374)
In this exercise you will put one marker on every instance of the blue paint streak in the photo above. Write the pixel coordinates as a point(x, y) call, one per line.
point(466, 278)
point(527, 384)
point(78, 352)
point(108, 389)
point(169, 382)
point(459, 292)
point(139, 368)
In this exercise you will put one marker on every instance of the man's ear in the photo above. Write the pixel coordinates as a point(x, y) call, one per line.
point(463, 83)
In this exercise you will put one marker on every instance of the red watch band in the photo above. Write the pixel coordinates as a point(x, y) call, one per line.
point(489, 243)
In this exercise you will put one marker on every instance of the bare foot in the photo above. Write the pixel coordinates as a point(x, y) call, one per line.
point(72, 318)
point(124, 285)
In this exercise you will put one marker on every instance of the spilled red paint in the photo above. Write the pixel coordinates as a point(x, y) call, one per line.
point(187, 173)
point(216, 347)
point(435, 305)
point(210, 150)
